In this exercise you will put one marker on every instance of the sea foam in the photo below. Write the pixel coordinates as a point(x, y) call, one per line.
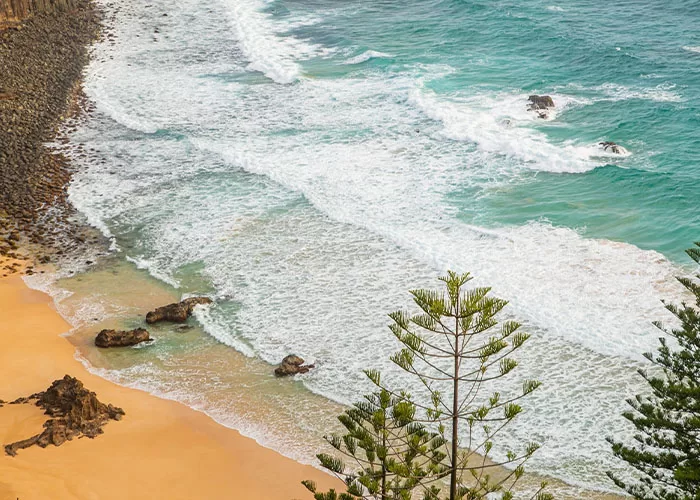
point(366, 56)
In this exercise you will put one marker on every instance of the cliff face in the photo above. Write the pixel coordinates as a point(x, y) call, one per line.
point(15, 10)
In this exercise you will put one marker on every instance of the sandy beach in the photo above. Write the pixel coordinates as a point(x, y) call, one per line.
point(161, 449)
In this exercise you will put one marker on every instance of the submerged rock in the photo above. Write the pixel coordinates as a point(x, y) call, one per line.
point(177, 312)
point(291, 365)
point(613, 147)
point(74, 411)
point(114, 338)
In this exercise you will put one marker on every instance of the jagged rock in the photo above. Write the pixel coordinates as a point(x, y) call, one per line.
point(177, 312)
point(114, 338)
point(613, 147)
point(74, 411)
point(291, 365)
point(540, 102)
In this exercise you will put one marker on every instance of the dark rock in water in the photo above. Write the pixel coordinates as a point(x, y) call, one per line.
point(177, 312)
point(184, 328)
point(540, 102)
point(114, 338)
point(74, 411)
point(291, 365)
point(613, 147)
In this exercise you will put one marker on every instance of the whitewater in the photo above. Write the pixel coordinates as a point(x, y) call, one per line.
point(307, 164)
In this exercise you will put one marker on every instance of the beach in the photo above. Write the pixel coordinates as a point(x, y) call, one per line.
point(160, 449)
point(301, 166)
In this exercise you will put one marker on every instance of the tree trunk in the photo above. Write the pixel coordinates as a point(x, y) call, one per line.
point(455, 407)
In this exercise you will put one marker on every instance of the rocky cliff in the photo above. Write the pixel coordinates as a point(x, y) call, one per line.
point(15, 10)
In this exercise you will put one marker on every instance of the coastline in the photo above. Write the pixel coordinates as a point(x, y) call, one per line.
point(182, 453)
point(166, 449)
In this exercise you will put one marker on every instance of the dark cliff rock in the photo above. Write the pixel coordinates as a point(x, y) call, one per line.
point(74, 411)
point(177, 312)
point(15, 10)
point(291, 365)
point(41, 62)
point(114, 338)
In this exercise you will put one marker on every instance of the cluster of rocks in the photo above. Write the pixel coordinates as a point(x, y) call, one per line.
point(541, 104)
point(42, 59)
point(177, 312)
point(74, 411)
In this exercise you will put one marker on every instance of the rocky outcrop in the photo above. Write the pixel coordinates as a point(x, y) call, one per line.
point(613, 147)
point(16, 10)
point(540, 104)
point(74, 411)
point(291, 365)
point(177, 312)
point(114, 338)
point(40, 69)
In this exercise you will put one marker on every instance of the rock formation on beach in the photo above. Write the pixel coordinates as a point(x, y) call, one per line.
point(291, 365)
point(177, 312)
point(119, 338)
point(74, 411)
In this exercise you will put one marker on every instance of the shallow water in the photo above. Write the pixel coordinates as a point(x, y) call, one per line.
point(307, 163)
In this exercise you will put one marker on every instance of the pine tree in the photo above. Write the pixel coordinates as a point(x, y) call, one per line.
point(667, 447)
point(390, 453)
point(453, 347)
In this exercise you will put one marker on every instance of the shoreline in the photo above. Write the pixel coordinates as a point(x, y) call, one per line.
point(230, 383)
point(88, 465)
point(167, 449)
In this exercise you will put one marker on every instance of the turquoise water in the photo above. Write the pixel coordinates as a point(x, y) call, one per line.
point(306, 163)
point(631, 63)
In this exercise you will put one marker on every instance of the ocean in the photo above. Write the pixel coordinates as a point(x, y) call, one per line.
point(307, 162)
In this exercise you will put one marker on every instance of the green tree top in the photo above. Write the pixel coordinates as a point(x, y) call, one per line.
point(666, 451)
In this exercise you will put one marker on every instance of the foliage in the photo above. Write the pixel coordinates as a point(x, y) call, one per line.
point(454, 347)
point(666, 450)
point(391, 454)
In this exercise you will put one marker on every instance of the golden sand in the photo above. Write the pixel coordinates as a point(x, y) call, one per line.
point(161, 449)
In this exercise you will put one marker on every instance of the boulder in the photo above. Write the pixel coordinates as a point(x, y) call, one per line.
point(74, 411)
point(291, 365)
point(613, 147)
point(114, 338)
point(540, 102)
point(177, 312)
